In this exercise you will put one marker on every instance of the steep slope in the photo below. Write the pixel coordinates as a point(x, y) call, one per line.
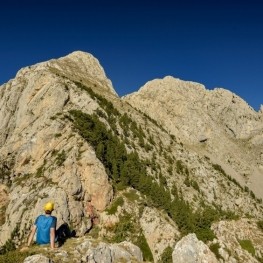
point(215, 123)
point(40, 157)
point(148, 176)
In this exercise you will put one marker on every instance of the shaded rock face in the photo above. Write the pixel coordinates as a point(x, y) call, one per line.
point(216, 122)
point(191, 250)
point(42, 158)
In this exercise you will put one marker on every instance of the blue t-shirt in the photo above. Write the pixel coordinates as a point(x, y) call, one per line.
point(43, 224)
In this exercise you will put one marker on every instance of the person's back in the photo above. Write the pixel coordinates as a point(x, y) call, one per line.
point(45, 226)
point(44, 223)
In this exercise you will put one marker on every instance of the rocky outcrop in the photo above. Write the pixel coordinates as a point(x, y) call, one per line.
point(91, 252)
point(215, 123)
point(37, 259)
point(154, 226)
point(182, 150)
point(49, 161)
point(123, 252)
point(239, 240)
point(191, 250)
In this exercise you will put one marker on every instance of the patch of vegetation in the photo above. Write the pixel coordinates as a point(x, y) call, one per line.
point(152, 120)
point(114, 206)
point(127, 170)
point(260, 259)
point(10, 243)
point(191, 183)
point(2, 214)
point(5, 171)
point(166, 256)
point(124, 229)
point(215, 249)
point(247, 245)
point(61, 157)
point(21, 179)
point(198, 222)
point(41, 170)
point(141, 242)
point(131, 195)
point(94, 232)
point(181, 168)
point(260, 224)
point(15, 256)
point(103, 102)
point(127, 229)
point(218, 168)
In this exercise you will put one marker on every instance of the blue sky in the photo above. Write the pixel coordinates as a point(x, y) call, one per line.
point(216, 43)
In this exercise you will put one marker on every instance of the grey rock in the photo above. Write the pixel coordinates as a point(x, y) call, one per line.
point(37, 259)
point(101, 253)
point(110, 253)
point(191, 250)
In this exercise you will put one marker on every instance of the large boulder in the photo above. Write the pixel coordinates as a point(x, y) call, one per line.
point(191, 250)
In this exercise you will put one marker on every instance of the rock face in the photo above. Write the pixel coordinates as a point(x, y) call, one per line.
point(144, 167)
point(88, 252)
point(216, 122)
point(191, 250)
point(155, 226)
point(124, 251)
point(41, 150)
point(234, 236)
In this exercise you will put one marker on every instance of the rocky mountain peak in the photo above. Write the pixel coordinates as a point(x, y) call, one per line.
point(81, 66)
point(170, 84)
point(173, 161)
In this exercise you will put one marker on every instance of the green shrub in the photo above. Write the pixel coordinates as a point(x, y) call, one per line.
point(41, 170)
point(181, 168)
point(124, 228)
point(15, 256)
point(195, 185)
point(61, 158)
point(260, 224)
point(166, 256)
point(132, 195)
point(2, 214)
point(247, 245)
point(215, 249)
point(218, 168)
point(113, 209)
point(143, 245)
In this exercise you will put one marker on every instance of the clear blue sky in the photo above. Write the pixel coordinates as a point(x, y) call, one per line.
point(216, 43)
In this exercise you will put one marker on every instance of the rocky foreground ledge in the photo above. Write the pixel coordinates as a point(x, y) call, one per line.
point(188, 250)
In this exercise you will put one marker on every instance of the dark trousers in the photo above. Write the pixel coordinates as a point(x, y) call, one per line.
point(63, 233)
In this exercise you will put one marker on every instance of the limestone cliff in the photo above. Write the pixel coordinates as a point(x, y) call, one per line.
point(41, 156)
point(169, 160)
point(215, 123)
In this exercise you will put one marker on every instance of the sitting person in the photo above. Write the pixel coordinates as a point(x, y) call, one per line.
point(45, 227)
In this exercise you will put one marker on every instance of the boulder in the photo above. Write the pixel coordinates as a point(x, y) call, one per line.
point(37, 259)
point(191, 250)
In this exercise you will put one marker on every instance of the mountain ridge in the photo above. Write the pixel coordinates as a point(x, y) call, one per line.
point(152, 158)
